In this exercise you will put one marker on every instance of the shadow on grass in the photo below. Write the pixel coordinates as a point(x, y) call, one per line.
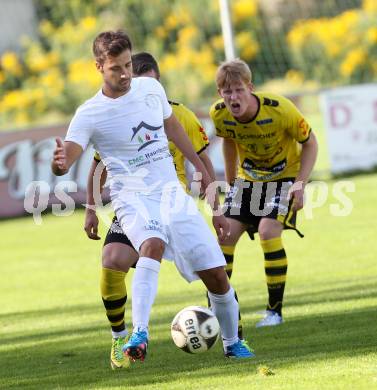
point(83, 360)
point(338, 292)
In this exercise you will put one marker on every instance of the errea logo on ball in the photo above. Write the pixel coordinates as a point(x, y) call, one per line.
point(195, 329)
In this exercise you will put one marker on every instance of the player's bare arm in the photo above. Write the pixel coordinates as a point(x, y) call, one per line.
point(65, 154)
point(219, 222)
point(230, 159)
point(308, 158)
point(91, 219)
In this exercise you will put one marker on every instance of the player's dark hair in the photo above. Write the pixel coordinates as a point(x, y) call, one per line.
point(110, 43)
point(144, 62)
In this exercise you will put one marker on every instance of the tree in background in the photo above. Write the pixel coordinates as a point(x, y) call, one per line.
point(56, 73)
point(53, 75)
point(337, 50)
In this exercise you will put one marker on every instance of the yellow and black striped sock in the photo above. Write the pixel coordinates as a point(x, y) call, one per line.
point(228, 252)
point(114, 297)
point(275, 267)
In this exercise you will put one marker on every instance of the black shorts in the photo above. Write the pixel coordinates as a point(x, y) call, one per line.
point(249, 202)
point(116, 234)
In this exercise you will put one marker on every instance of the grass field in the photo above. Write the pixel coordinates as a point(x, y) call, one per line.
point(54, 335)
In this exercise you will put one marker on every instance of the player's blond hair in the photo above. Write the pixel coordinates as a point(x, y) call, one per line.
point(233, 71)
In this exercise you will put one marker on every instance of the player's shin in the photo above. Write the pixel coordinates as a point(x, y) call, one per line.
point(228, 251)
point(144, 290)
point(114, 297)
point(275, 264)
point(226, 308)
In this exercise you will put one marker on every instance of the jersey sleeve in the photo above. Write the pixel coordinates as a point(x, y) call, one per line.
point(297, 126)
point(216, 114)
point(80, 129)
point(166, 108)
point(194, 129)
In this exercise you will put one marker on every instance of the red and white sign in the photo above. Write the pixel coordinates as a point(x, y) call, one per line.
point(350, 116)
point(25, 157)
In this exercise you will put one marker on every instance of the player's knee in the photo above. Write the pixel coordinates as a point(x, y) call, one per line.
point(216, 280)
point(267, 231)
point(114, 259)
point(153, 248)
point(265, 234)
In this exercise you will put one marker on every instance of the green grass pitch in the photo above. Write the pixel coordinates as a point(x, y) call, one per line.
point(54, 334)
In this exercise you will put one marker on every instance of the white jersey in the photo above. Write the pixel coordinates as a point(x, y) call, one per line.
point(128, 132)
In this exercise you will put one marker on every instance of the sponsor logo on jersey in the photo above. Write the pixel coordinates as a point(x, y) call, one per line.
point(266, 147)
point(231, 133)
point(115, 227)
point(256, 136)
point(230, 123)
point(152, 101)
point(304, 127)
point(261, 172)
point(252, 148)
point(264, 121)
point(155, 155)
point(154, 225)
point(148, 138)
point(204, 135)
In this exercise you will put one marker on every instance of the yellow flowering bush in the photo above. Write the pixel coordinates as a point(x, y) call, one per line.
point(243, 10)
point(248, 47)
point(55, 74)
point(10, 64)
point(193, 46)
point(342, 49)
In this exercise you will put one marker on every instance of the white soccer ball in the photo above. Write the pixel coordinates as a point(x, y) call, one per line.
point(195, 329)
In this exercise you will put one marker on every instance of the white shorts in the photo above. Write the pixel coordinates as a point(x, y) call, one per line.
point(174, 218)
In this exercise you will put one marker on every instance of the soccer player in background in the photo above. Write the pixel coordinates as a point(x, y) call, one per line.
point(118, 254)
point(269, 152)
point(129, 122)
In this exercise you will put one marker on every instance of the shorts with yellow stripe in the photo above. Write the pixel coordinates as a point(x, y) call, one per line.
point(249, 202)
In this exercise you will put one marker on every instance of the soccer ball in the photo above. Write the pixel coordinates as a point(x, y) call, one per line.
point(195, 329)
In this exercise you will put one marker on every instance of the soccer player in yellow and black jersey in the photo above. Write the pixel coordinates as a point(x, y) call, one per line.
point(269, 152)
point(118, 254)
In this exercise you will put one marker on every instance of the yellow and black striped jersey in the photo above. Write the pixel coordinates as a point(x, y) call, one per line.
point(269, 146)
point(195, 132)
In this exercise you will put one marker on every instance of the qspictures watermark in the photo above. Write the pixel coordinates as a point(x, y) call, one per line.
point(335, 196)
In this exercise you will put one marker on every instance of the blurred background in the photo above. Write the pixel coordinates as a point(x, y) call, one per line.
point(299, 48)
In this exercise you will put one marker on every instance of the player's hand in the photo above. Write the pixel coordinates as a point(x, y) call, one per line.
point(222, 227)
point(91, 224)
point(296, 193)
point(59, 158)
point(205, 182)
point(202, 177)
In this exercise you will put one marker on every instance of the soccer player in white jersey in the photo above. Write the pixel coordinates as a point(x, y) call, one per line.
point(118, 254)
point(129, 122)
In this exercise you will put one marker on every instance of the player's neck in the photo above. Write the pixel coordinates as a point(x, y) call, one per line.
point(107, 91)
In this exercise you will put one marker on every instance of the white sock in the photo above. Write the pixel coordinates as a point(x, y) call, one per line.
point(144, 290)
point(225, 308)
point(122, 333)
